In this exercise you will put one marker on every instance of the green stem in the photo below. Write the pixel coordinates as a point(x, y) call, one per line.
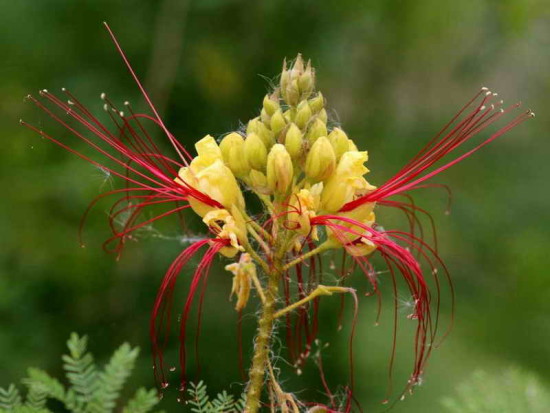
point(262, 346)
point(320, 290)
point(309, 254)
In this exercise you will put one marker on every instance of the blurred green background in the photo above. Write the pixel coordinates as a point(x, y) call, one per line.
point(393, 72)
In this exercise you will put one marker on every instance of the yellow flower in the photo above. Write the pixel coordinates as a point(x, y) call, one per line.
point(355, 240)
point(215, 180)
point(208, 152)
point(346, 182)
point(230, 226)
point(243, 273)
point(303, 206)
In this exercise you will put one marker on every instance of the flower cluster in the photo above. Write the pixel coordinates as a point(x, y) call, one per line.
point(310, 179)
point(293, 160)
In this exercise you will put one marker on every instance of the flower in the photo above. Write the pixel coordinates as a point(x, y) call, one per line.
point(310, 180)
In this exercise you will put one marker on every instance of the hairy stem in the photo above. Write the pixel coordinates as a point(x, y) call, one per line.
point(262, 346)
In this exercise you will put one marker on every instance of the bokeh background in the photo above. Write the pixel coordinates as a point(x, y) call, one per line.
point(393, 72)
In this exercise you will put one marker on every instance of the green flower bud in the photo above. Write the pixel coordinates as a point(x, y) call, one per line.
point(278, 122)
point(257, 127)
point(306, 81)
point(258, 181)
point(232, 147)
point(317, 103)
point(279, 169)
point(290, 115)
point(294, 141)
point(321, 160)
point(303, 114)
point(252, 126)
point(255, 152)
point(285, 79)
point(266, 119)
point(293, 93)
point(271, 103)
point(297, 83)
point(323, 115)
point(339, 141)
point(317, 128)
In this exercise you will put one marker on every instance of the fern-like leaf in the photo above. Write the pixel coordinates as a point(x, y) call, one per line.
point(81, 370)
point(112, 378)
point(36, 397)
point(142, 402)
point(42, 382)
point(223, 403)
point(239, 404)
point(200, 402)
point(10, 398)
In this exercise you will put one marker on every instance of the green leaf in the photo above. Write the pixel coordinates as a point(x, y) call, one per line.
point(10, 397)
point(200, 402)
point(81, 370)
point(90, 391)
point(112, 378)
point(142, 402)
point(223, 402)
point(42, 382)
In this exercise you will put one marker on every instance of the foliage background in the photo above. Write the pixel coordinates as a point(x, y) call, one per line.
point(393, 71)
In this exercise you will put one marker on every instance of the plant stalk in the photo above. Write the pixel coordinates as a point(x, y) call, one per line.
point(262, 346)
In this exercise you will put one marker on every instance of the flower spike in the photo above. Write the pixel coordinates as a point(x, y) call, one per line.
point(310, 180)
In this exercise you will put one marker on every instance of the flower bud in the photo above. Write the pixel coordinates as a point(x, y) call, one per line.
point(293, 93)
point(265, 117)
point(317, 128)
point(255, 152)
point(303, 114)
point(323, 115)
point(294, 141)
point(258, 181)
point(297, 83)
point(320, 161)
point(232, 148)
point(252, 126)
point(271, 104)
point(339, 141)
point(285, 79)
point(278, 122)
point(290, 115)
point(256, 126)
point(279, 169)
point(317, 103)
point(306, 81)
